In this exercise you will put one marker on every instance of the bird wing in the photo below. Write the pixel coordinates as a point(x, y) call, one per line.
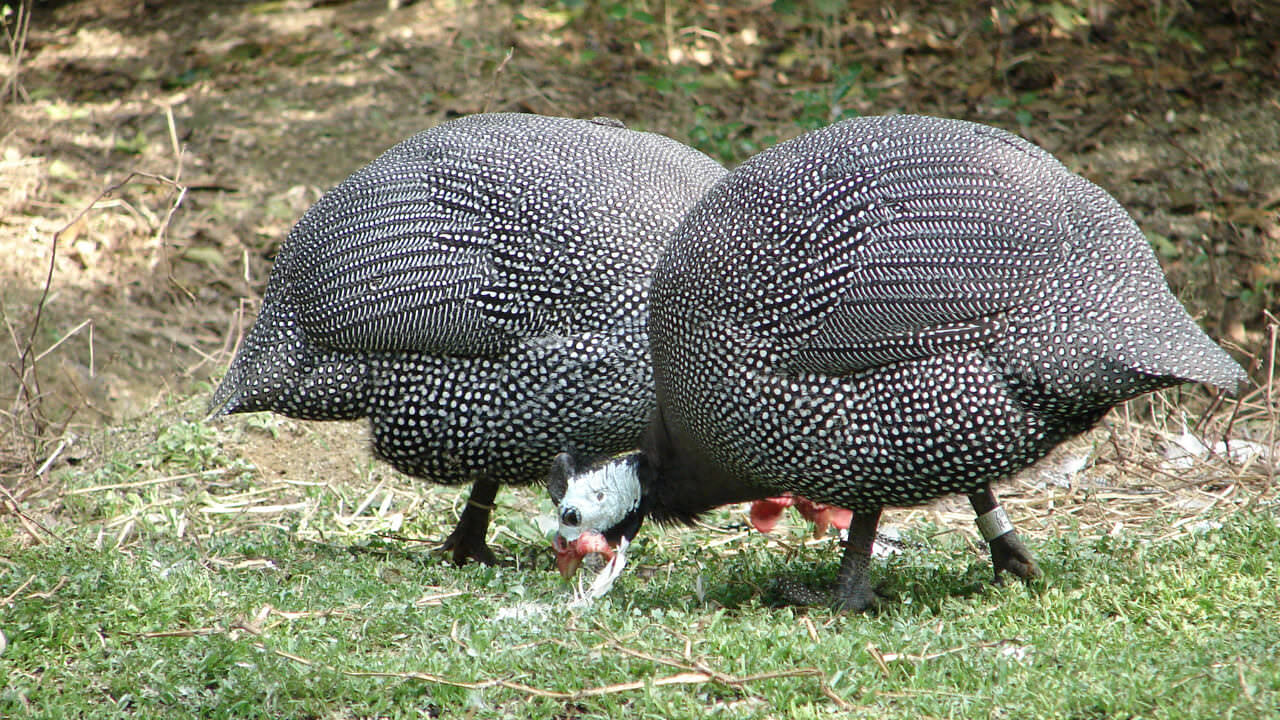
point(400, 257)
point(487, 232)
point(920, 247)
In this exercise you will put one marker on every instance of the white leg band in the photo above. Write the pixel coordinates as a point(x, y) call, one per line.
point(994, 523)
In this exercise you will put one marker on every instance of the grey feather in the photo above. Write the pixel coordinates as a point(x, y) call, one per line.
point(896, 308)
point(479, 292)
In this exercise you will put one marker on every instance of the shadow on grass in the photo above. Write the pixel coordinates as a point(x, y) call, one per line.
point(920, 580)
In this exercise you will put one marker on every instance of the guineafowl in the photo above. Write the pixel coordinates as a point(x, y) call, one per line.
point(479, 293)
point(880, 313)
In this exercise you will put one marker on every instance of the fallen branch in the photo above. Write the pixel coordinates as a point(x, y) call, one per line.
point(692, 672)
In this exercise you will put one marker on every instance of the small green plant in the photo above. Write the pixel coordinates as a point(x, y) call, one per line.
point(728, 142)
point(1020, 106)
point(187, 446)
point(822, 107)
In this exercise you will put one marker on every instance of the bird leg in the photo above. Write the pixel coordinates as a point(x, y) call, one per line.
point(1007, 550)
point(467, 539)
point(853, 589)
point(853, 586)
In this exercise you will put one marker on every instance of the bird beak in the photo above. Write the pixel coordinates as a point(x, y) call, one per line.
point(569, 553)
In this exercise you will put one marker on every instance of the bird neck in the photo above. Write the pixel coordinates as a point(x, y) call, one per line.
point(678, 483)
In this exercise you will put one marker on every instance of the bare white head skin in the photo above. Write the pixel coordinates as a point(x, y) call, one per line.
point(593, 503)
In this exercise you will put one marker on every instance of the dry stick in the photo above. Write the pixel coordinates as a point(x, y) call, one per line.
point(144, 483)
point(683, 678)
point(1226, 431)
point(17, 48)
point(695, 666)
point(29, 392)
point(230, 341)
point(173, 143)
point(235, 331)
point(1121, 460)
point(1218, 399)
point(1218, 200)
point(1273, 329)
point(31, 400)
point(67, 336)
point(163, 227)
point(10, 597)
point(46, 594)
point(53, 456)
point(493, 88)
point(693, 673)
point(402, 538)
point(1207, 174)
point(28, 522)
point(895, 657)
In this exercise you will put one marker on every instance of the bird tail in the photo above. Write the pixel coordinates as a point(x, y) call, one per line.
point(278, 369)
point(1159, 338)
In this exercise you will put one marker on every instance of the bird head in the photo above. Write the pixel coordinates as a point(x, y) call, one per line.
point(598, 506)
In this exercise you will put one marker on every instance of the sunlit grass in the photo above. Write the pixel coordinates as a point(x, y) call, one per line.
point(236, 617)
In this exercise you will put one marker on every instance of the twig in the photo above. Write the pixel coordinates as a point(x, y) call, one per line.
point(878, 658)
point(701, 669)
point(65, 337)
point(678, 679)
point(497, 73)
point(9, 598)
point(689, 675)
point(143, 483)
point(245, 509)
point(53, 456)
point(1205, 172)
point(28, 522)
point(46, 594)
point(692, 666)
point(176, 147)
point(882, 658)
point(17, 40)
point(1273, 329)
point(437, 598)
point(29, 397)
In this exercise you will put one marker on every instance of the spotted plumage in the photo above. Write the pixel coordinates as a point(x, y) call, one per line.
point(479, 293)
point(897, 308)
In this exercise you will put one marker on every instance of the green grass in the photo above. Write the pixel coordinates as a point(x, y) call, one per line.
point(254, 622)
point(179, 580)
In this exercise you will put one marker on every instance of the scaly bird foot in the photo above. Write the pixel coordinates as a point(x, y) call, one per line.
point(467, 539)
point(466, 547)
point(864, 599)
point(1008, 554)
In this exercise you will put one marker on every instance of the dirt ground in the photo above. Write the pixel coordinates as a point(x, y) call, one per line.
point(169, 146)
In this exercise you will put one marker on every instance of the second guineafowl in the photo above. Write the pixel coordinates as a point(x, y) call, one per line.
point(880, 313)
point(479, 293)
